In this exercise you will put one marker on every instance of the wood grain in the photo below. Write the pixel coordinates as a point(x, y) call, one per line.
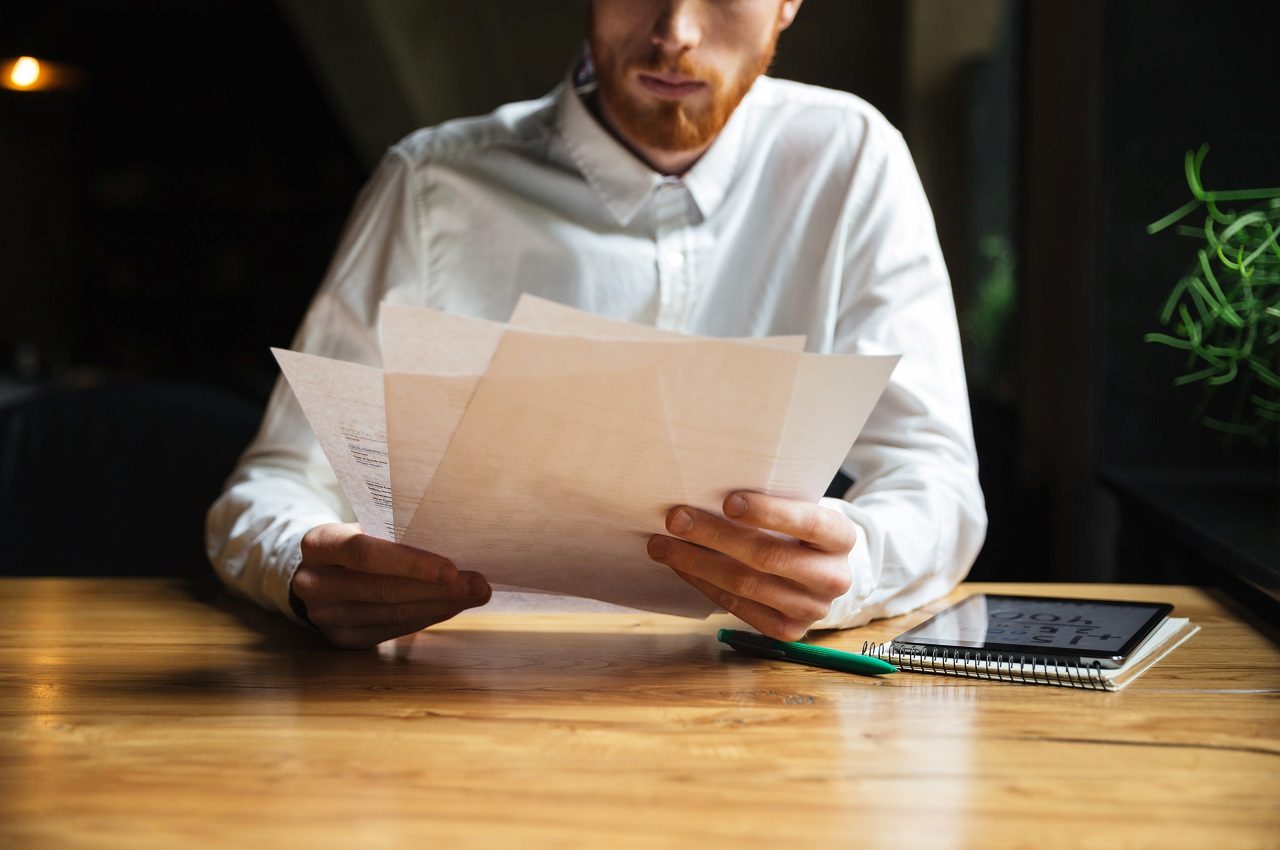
point(143, 713)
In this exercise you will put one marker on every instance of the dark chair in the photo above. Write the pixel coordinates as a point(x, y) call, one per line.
point(115, 480)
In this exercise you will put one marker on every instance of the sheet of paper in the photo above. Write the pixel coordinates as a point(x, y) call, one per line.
point(433, 361)
point(424, 408)
point(555, 481)
point(538, 314)
point(423, 411)
point(422, 340)
point(831, 397)
point(447, 354)
point(425, 341)
point(573, 449)
point(611, 429)
point(343, 402)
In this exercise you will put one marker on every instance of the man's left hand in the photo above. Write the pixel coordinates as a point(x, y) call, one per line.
point(774, 563)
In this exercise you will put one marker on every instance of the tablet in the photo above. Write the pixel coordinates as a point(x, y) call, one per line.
point(1075, 631)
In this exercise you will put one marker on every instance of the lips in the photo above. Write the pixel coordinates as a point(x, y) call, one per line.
point(670, 86)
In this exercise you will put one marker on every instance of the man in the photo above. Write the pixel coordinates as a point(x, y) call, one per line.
point(684, 190)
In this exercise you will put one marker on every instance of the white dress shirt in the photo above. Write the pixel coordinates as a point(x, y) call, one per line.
point(806, 216)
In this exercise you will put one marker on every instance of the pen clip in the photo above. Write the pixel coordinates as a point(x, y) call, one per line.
point(758, 651)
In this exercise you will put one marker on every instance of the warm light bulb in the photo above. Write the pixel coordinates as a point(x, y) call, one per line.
point(25, 72)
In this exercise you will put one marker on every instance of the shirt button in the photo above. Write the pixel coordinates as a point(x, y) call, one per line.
point(674, 259)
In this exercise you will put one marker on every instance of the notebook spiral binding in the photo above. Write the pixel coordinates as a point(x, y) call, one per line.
point(996, 667)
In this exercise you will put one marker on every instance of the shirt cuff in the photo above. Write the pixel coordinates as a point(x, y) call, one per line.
point(280, 592)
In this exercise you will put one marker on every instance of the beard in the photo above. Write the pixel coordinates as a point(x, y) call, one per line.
point(672, 125)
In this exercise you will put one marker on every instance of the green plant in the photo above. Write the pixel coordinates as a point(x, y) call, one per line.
point(986, 323)
point(1225, 312)
point(989, 317)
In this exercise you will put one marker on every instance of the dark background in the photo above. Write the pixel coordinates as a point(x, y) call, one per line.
point(167, 218)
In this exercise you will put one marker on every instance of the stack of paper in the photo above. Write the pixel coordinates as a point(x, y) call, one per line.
point(544, 452)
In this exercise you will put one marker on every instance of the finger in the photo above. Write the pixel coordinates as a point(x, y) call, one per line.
point(767, 552)
point(818, 526)
point(384, 557)
point(327, 583)
point(764, 619)
point(780, 594)
point(356, 615)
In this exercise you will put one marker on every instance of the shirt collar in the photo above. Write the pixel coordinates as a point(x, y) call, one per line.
point(622, 180)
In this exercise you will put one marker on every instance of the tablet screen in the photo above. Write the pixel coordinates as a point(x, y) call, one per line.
point(1041, 625)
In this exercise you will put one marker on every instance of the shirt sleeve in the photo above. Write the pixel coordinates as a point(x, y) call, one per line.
point(283, 486)
point(916, 502)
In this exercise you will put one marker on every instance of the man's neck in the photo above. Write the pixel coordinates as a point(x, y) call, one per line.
point(671, 163)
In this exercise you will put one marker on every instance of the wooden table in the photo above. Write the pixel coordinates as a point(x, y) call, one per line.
point(143, 713)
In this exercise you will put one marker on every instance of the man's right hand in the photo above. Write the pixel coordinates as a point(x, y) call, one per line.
point(360, 591)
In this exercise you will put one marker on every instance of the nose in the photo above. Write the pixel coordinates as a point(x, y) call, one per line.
point(678, 28)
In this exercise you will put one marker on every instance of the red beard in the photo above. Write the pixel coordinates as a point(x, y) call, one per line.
point(671, 125)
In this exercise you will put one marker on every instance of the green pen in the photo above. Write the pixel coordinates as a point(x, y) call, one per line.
point(804, 653)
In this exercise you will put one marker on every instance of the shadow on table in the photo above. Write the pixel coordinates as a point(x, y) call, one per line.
point(284, 667)
point(277, 632)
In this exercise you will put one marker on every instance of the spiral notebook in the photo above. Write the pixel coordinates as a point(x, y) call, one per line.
point(1094, 644)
